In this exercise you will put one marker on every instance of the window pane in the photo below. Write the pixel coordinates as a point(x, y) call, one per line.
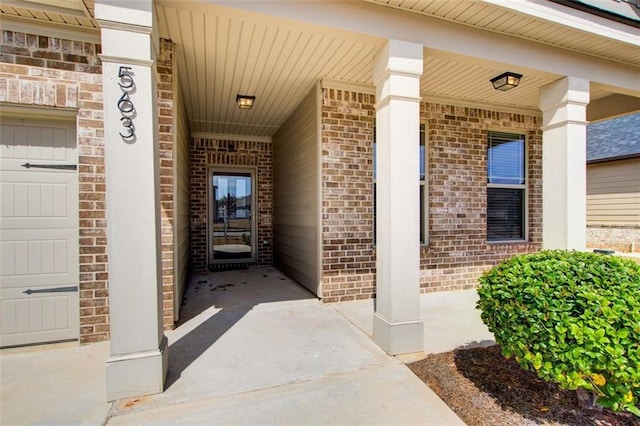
point(422, 152)
point(422, 216)
point(505, 213)
point(505, 158)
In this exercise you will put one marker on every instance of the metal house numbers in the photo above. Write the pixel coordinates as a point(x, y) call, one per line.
point(125, 105)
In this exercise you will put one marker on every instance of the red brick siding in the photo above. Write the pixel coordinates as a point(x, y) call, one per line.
point(52, 72)
point(206, 153)
point(348, 258)
point(166, 132)
point(458, 251)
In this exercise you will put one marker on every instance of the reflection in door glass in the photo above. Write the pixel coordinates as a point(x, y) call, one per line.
point(232, 217)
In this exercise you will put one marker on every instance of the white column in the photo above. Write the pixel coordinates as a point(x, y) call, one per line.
point(137, 364)
point(564, 163)
point(397, 326)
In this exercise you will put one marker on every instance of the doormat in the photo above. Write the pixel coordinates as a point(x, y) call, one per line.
point(219, 267)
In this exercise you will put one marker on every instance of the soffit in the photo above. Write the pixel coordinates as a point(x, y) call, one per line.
point(494, 18)
point(221, 52)
point(79, 14)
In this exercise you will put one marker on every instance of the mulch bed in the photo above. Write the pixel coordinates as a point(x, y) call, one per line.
point(484, 388)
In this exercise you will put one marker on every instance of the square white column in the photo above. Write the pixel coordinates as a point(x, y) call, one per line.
point(138, 361)
point(564, 163)
point(397, 326)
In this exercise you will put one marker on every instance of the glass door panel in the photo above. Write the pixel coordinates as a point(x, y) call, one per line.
point(231, 217)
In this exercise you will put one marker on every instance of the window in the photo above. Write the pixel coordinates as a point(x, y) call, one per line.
point(506, 187)
point(424, 191)
point(424, 186)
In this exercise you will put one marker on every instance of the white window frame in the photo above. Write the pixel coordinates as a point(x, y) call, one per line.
point(524, 186)
point(424, 187)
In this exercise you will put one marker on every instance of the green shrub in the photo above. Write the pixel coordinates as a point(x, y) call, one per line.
point(573, 318)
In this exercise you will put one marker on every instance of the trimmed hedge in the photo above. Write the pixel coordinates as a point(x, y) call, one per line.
point(573, 318)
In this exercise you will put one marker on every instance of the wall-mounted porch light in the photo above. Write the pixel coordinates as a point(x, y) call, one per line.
point(506, 81)
point(245, 101)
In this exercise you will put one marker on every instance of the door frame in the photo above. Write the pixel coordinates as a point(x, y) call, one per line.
point(252, 172)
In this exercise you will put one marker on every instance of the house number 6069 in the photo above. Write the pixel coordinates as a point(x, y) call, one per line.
point(125, 105)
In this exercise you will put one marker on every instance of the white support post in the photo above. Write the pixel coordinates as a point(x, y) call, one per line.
point(138, 361)
point(564, 163)
point(397, 326)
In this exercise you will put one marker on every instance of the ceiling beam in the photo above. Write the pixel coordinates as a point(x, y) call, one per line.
point(612, 106)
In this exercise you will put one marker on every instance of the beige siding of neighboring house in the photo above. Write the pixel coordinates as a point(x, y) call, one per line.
point(613, 205)
point(295, 204)
point(613, 192)
point(182, 195)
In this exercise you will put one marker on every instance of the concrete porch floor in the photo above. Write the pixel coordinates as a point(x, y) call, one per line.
point(252, 347)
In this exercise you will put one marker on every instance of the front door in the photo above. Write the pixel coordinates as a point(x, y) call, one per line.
point(231, 219)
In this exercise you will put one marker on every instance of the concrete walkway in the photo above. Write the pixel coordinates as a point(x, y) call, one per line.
point(252, 347)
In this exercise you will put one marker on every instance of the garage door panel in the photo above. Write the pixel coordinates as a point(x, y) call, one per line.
point(36, 262)
point(31, 142)
point(39, 317)
point(38, 204)
point(38, 233)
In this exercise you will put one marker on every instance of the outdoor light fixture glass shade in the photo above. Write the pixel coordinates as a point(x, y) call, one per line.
point(506, 81)
point(245, 101)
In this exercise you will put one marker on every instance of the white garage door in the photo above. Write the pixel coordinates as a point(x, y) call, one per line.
point(38, 232)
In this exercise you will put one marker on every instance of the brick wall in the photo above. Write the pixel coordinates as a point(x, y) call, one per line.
point(348, 258)
point(206, 153)
point(622, 238)
point(166, 117)
point(57, 73)
point(52, 72)
point(458, 251)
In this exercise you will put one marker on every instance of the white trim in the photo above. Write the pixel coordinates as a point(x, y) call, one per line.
point(572, 18)
point(424, 185)
point(393, 72)
point(319, 195)
point(231, 137)
point(130, 61)
point(47, 29)
point(332, 83)
point(121, 26)
point(140, 355)
point(35, 111)
point(563, 123)
point(388, 98)
point(524, 186)
point(446, 100)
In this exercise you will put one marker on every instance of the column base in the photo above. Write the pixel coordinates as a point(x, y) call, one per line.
point(137, 374)
point(397, 338)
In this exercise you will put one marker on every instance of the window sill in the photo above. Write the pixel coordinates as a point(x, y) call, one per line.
point(508, 242)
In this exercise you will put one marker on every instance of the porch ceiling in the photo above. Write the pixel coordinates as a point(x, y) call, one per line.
point(491, 17)
point(222, 52)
